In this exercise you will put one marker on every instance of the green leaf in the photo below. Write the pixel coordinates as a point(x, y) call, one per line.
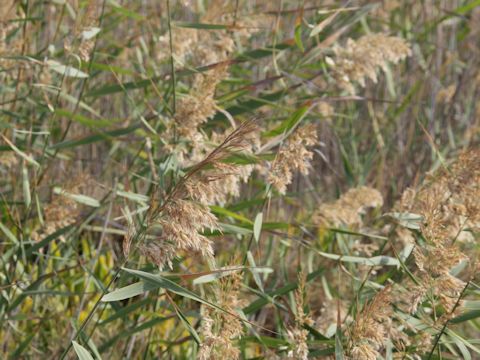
point(256, 277)
point(216, 274)
point(128, 13)
point(202, 26)
point(232, 229)
point(263, 52)
point(257, 226)
point(8, 233)
point(90, 33)
point(45, 241)
point(187, 324)
point(82, 199)
point(218, 210)
point(97, 137)
point(72, 100)
point(27, 199)
point(268, 297)
point(465, 8)
point(323, 24)
point(469, 315)
point(170, 286)
point(314, 332)
point(22, 346)
point(251, 105)
point(457, 337)
point(142, 199)
point(111, 89)
point(319, 354)
point(209, 276)
point(27, 158)
point(92, 123)
point(124, 311)
point(130, 291)
point(381, 260)
point(127, 333)
point(290, 123)
point(94, 349)
point(389, 350)
point(463, 349)
point(265, 340)
point(298, 37)
point(68, 71)
point(350, 232)
point(471, 304)
point(82, 353)
point(405, 219)
point(339, 355)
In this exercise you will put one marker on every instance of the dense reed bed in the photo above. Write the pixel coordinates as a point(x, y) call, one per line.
point(239, 179)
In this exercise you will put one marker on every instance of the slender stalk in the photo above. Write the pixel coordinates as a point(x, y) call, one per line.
point(172, 64)
point(437, 339)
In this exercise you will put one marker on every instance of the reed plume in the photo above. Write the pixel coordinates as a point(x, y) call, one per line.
point(360, 59)
point(210, 47)
point(221, 328)
point(447, 207)
point(185, 214)
point(8, 160)
point(88, 29)
point(297, 334)
point(9, 44)
point(199, 105)
point(62, 210)
point(348, 210)
point(294, 155)
point(372, 326)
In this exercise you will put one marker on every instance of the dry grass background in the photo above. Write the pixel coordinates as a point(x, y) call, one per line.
point(239, 179)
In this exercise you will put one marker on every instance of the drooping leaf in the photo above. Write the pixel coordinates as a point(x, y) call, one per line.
point(130, 291)
point(81, 199)
point(66, 70)
point(81, 352)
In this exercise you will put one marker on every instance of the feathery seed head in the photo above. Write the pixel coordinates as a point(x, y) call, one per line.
point(360, 59)
point(348, 209)
point(293, 155)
